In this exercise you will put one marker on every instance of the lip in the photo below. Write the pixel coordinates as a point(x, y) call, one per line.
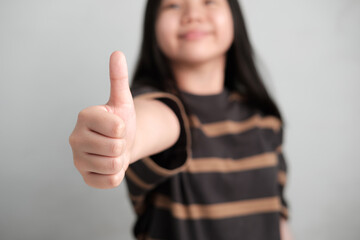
point(193, 35)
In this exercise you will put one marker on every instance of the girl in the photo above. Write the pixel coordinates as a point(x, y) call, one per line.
point(198, 138)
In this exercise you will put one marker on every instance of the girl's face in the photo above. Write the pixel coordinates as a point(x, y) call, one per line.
point(194, 31)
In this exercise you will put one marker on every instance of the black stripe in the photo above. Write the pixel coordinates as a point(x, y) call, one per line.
point(231, 112)
point(282, 163)
point(144, 173)
point(281, 193)
point(235, 146)
point(204, 107)
point(208, 188)
point(278, 137)
point(163, 226)
point(133, 188)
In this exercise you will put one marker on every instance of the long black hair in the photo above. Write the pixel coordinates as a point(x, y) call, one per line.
point(153, 68)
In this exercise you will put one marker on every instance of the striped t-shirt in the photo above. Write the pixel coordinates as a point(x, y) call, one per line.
point(222, 180)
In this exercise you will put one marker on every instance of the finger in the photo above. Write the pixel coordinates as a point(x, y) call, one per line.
point(103, 122)
point(98, 164)
point(104, 181)
point(120, 92)
point(97, 144)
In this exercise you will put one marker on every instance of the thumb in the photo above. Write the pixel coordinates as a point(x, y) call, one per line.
point(119, 88)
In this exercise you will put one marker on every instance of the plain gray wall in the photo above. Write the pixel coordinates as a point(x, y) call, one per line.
point(54, 62)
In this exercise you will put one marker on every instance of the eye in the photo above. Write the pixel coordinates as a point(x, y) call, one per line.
point(172, 6)
point(209, 2)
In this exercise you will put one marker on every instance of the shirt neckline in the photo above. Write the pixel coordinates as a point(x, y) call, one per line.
point(222, 95)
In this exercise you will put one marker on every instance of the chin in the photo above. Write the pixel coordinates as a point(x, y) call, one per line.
point(196, 58)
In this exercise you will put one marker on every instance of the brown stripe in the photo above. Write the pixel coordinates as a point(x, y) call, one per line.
point(234, 96)
point(138, 203)
point(282, 177)
point(231, 165)
point(141, 236)
point(232, 127)
point(163, 171)
point(134, 198)
point(279, 149)
point(270, 122)
point(135, 179)
point(139, 209)
point(144, 236)
point(219, 210)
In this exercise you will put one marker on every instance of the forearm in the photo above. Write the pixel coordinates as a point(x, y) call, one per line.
point(157, 128)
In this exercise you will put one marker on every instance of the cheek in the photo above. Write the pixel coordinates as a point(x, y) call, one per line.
point(165, 34)
point(225, 28)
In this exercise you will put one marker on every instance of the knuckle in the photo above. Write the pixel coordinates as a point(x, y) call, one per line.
point(114, 181)
point(82, 115)
point(78, 164)
point(73, 140)
point(115, 165)
point(93, 181)
point(116, 148)
point(118, 128)
point(88, 180)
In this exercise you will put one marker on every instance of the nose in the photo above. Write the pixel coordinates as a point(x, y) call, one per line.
point(192, 13)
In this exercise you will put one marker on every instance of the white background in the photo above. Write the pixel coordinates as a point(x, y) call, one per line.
point(54, 62)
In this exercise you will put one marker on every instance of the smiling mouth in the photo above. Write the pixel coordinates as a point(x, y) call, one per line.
point(193, 35)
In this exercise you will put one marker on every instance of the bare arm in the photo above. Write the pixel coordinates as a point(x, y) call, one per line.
point(107, 138)
point(158, 128)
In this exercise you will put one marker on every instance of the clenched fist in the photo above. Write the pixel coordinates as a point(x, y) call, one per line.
point(104, 135)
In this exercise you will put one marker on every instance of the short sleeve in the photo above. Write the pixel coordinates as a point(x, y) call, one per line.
point(282, 172)
point(145, 174)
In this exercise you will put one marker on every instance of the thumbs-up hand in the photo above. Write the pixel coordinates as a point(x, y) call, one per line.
point(104, 135)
